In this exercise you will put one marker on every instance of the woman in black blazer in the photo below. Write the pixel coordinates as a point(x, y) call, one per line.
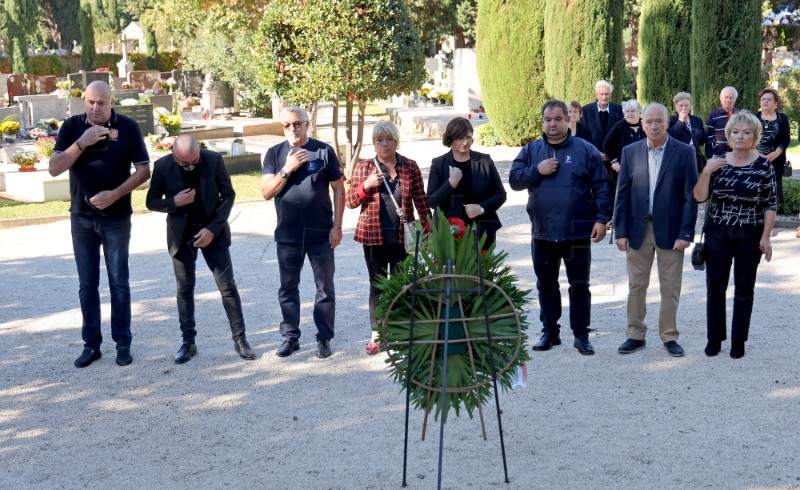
point(465, 184)
point(576, 127)
point(775, 135)
point(686, 128)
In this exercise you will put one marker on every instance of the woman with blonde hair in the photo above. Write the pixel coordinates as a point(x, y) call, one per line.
point(377, 184)
point(740, 188)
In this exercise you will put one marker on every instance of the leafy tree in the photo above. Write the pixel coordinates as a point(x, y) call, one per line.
point(88, 52)
point(725, 50)
point(510, 56)
point(20, 18)
point(311, 51)
point(65, 25)
point(664, 39)
point(583, 44)
point(437, 19)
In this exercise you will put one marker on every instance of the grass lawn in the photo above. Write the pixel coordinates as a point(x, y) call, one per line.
point(247, 186)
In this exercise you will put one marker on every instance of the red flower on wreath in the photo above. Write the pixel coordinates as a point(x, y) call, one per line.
point(457, 227)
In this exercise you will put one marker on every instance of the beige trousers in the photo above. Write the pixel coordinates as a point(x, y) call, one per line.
point(670, 275)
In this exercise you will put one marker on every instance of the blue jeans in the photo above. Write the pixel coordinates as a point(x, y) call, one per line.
point(290, 262)
point(114, 234)
point(219, 262)
point(577, 257)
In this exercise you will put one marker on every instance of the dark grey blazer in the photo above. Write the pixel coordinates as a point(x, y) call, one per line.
point(216, 190)
point(591, 118)
point(674, 208)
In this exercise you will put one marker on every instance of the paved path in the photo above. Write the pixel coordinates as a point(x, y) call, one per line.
point(607, 421)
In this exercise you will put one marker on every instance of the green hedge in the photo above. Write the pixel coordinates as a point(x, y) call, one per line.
point(791, 197)
point(59, 66)
point(510, 57)
point(665, 29)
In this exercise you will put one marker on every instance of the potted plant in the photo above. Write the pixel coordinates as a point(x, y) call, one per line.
point(9, 127)
point(26, 159)
point(44, 146)
point(237, 147)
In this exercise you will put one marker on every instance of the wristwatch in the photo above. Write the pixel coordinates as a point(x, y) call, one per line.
point(283, 175)
point(482, 210)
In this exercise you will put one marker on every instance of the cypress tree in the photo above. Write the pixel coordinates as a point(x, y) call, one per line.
point(725, 50)
point(68, 23)
point(510, 57)
point(583, 44)
point(665, 31)
point(152, 50)
point(21, 18)
point(88, 53)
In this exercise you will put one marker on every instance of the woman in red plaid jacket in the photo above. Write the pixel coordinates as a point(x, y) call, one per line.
point(374, 184)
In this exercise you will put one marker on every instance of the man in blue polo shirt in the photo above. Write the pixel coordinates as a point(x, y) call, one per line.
point(98, 149)
point(297, 174)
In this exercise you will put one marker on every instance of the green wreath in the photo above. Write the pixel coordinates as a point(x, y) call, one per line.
point(469, 373)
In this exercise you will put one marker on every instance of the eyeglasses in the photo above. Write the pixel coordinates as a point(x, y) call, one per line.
point(188, 166)
point(295, 125)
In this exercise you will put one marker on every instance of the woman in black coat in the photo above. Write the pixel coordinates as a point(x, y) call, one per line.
point(775, 135)
point(686, 128)
point(622, 134)
point(576, 127)
point(465, 184)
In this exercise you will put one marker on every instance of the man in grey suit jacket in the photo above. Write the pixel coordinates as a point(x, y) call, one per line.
point(655, 213)
point(194, 188)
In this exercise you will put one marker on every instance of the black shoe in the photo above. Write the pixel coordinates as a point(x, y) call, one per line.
point(244, 350)
point(713, 347)
point(185, 354)
point(547, 341)
point(87, 357)
point(287, 347)
point(124, 356)
point(324, 348)
point(583, 346)
point(631, 345)
point(673, 348)
point(737, 350)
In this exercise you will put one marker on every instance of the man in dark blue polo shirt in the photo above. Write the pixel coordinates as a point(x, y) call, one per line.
point(98, 149)
point(297, 174)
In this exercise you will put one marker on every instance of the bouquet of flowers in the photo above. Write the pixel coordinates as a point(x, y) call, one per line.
point(44, 145)
point(36, 133)
point(8, 126)
point(165, 144)
point(172, 123)
point(25, 157)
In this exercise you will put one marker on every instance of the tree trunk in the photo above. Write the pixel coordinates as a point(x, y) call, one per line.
point(362, 109)
point(348, 130)
point(312, 120)
point(335, 124)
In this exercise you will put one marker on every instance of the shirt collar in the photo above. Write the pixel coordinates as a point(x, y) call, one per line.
point(112, 121)
point(600, 109)
point(649, 148)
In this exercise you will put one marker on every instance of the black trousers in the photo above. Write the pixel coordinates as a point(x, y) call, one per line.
point(219, 262)
point(577, 257)
point(381, 260)
point(745, 256)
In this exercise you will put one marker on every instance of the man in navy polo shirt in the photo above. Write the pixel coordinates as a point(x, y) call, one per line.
point(297, 174)
point(98, 149)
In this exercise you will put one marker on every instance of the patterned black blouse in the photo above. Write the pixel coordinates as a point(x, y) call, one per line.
point(739, 197)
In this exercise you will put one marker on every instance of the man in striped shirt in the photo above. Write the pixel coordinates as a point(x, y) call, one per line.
point(716, 143)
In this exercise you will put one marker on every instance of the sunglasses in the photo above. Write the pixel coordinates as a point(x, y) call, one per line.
point(188, 166)
point(295, 125)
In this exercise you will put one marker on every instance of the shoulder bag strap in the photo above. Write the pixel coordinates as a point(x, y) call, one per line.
point(397, 208)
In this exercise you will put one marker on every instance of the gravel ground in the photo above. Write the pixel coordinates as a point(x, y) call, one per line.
point(607, 421)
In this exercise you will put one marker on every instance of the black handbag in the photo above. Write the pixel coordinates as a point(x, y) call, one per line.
point(699, 251)
point(787, 169)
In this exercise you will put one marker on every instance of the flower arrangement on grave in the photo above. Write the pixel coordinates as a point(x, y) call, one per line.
point(25, 158)
point(8, 126)
point(469, 371)
point(126, 85)
point(76, 93)
point(129, 102)
point(101, 68)
point(36, 133)
point(45, 145)
point(168, 84)
point(172, 123)
point(65, 85)
point(425, 90)
point(165, 144)
point(50, 124)
point(202, 144)
point(153, 138)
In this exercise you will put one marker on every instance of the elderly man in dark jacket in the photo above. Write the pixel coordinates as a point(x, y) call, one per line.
point(570, 200)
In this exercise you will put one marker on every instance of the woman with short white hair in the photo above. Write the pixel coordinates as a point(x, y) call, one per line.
point(622, 134)
point(688, 128)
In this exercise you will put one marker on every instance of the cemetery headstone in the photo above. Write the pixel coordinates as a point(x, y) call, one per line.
point(193, 81)
point(16, 85)
point(142, 114)
point(467, 94)
point(41, 85)
point(37, 107)
point(125, 93)
point(145, 79)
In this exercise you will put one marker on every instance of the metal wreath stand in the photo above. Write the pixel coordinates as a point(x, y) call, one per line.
point(416, 288)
